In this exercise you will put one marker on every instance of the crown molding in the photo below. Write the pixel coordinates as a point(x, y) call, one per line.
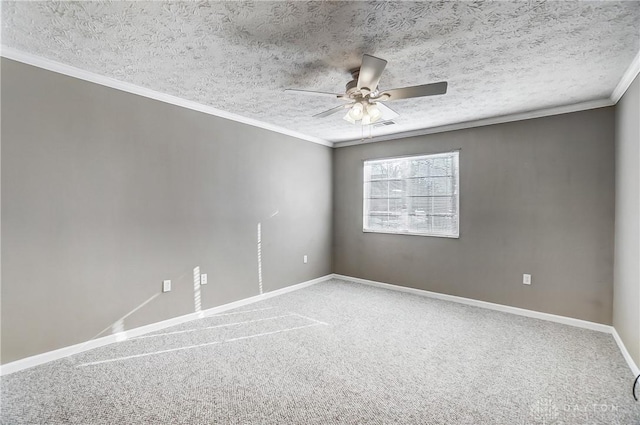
point(71, 71)
point(539, 113)
point(630, 74)
point(627, 78)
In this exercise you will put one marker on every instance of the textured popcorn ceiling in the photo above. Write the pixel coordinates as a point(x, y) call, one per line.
point(498, 57)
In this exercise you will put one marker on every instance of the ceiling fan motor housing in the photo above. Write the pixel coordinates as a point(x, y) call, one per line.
point(353, 92)
point(351, 89)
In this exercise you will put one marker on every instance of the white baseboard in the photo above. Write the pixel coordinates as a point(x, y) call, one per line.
point(39, 359)
point(625, 353)
point(60, 353)
point(507, 309)
point(484, 304)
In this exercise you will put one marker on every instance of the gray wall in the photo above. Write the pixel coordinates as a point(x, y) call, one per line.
point(537, 197)
point(105, 194)
point(626, 289)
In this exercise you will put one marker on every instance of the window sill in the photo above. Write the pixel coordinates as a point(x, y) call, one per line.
point(412, 234)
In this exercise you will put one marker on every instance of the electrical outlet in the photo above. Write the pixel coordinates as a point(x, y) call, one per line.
point(166, 285)
point(526, 279)
point(203, 279)
point(304, 259)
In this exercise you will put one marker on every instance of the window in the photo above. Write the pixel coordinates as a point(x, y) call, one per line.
point(416, 195)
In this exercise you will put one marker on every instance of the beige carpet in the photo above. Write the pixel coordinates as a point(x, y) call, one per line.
point(337, 353)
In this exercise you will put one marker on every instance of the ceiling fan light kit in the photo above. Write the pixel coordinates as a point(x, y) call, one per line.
point(357, 111)
point(364, 95)
point(366, 113)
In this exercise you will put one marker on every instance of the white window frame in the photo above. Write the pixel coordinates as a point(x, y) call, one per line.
point(456, 190)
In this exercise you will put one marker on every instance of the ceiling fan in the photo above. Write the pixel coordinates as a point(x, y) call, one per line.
point(364, 97)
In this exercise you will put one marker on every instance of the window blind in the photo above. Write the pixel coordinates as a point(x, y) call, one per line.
point(412, 195)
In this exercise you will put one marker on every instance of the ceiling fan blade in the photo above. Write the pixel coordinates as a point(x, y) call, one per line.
point(387, 113)
point(370, 72)
point(313, 93)
point(330, 112)
point(416, 91)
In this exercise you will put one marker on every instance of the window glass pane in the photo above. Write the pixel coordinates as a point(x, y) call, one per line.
point(384, 188)
point(378, 171)
point(433, 206)
point(431, 186)
point(385, 206)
